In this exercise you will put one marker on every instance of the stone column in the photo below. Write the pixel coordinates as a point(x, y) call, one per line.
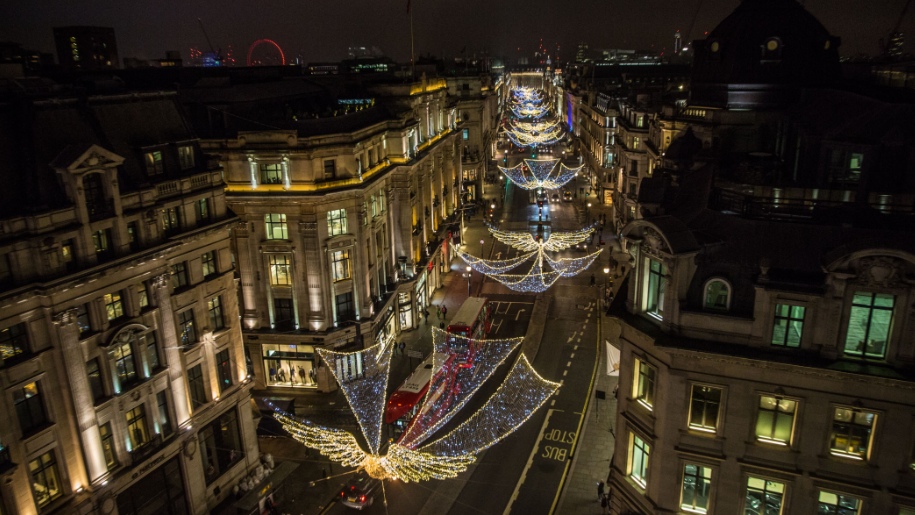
point(169, 334)
point(83, 403)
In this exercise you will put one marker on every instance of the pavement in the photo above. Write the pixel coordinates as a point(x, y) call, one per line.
point(307, 493)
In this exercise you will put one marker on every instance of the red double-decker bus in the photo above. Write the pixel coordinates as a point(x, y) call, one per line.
point(473, 319)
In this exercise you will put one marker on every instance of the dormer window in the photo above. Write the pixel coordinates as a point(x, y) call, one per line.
point(870, 323)
point(94, 192)
point(717, 295)
point(186, 157)
point(154, 164)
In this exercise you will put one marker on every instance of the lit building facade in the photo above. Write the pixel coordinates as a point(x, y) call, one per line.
point(766, 330)
point(86, 48)
point(341, 236)
point(123, 372)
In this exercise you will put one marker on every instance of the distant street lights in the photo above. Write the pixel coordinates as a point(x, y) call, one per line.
point(588, 217)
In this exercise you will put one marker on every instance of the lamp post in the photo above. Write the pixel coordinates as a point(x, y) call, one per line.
point(588, 212)
point(468, 274)
point(482, 243)
point(606, 279)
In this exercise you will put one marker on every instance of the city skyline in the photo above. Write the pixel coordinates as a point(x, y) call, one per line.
point(147, 30)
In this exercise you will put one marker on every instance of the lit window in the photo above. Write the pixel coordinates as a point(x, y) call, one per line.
point(340, 263)
point(838, 504)
point(276, 226)
point(336, 222)
point(114, 308)
point(280, 269)
point(208, 263)
point(186, 331)
point(14, 341)
point(852, 433)
point(775, 419)
point(272, 173)
point(655, 287)
point(186, 157)
point(869, 324)
point(764, 497)
point(154, 165)
point(45, 479)
point(643, 386)
point(466, 134)
point(638, 459)
point(137, 433)
point(717, 295)
point(703, 409)
point(697, 483)
point(170, 221)
point(202, 207)
point(108, 450)
point(788, 325)
point(102, 242)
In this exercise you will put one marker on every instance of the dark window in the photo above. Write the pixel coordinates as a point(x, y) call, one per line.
point(160, 491)
point(202, 207)
point(283, 315)
point(108, 449)
point(224, 369)
point(95, 380)
point(29, 407)
point(133, 236)
point(67, 257)
point(208, 263)
point(179, 275)
point(82, 320)
point(14, 341)
point(195, 386)
point(330, 169)
point(214, 308)
point(102, 242)
point(124, 364)
point(45, 479)
point(142, 295)
point(345, 308)
point(220, 446)
point(165, 418)
point(703, 413)
point(171, 221)
point(186, 331)
point(152, 351)
point(154, 164)
point(96, 204)
point(186, 157)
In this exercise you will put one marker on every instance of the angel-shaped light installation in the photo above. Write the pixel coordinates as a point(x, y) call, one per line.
point(526, 134)
point(461, 366)
point(540, 173)
point(545, 270)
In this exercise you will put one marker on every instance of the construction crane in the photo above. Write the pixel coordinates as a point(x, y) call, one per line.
point(217, 54)
point(895, 37)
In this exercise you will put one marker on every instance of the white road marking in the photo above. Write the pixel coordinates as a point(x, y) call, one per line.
point(568, 363)
point(530, 461)
point(572, 356)
point(564, 372)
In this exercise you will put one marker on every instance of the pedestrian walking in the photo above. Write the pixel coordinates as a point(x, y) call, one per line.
point(444, 311)
point(600, 490)
point(403, 346)
point(592, 280)
point(438, 311)
point(441, 325)
point(426, 315)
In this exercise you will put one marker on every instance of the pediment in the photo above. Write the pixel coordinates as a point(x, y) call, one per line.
point(78, 159)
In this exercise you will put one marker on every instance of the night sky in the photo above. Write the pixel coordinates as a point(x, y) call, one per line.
point(321, 30)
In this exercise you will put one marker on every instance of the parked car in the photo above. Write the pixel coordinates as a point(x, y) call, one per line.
point(359, 492)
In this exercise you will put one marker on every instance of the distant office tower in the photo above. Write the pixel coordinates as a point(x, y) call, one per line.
point(678, 43)
point(86, 48)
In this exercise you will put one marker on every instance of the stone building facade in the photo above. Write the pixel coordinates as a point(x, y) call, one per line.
point(123, 371)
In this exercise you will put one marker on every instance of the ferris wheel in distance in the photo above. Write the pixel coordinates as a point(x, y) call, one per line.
point(266, 57)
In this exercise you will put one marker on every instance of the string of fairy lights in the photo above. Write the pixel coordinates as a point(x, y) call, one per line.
point(444, 400)
point(466, 364)
point(540, 173)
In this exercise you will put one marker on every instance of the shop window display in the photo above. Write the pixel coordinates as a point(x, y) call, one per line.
point(290, 365)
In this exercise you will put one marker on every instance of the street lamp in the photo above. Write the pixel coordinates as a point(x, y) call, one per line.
point(589, 211)
point(482, 242)
point(468, 274)
point(606, 278)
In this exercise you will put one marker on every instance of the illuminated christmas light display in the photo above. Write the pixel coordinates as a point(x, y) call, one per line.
point(540, 173)
point(522, 137)
point(545, 270)
point(467, 364)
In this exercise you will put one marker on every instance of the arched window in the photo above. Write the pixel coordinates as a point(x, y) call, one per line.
point(717, 295)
